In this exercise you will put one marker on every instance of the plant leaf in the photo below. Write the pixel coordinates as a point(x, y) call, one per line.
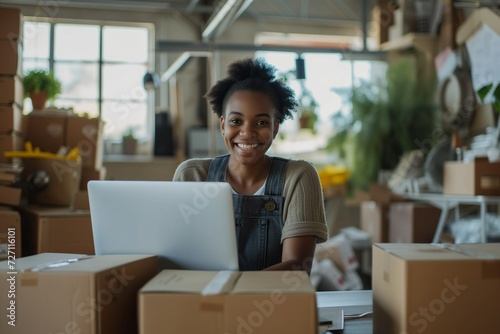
point(483, 91)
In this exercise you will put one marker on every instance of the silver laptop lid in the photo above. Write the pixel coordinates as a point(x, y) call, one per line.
point(189, 225)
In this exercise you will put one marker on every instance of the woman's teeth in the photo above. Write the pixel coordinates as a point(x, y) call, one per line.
point(247, 147)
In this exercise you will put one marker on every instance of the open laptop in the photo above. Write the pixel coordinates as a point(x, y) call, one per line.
point(189, 225)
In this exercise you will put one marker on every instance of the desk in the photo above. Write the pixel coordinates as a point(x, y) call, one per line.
point(351, 302)
point(447, 202)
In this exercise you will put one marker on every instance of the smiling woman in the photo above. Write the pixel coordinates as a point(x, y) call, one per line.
point(278, 204)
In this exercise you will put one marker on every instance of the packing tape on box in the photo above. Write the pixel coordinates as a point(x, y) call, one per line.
point(220, 283)
point(461, 250)
point(30, 277)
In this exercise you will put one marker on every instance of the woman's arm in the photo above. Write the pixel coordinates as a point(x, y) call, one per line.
point(298, 253)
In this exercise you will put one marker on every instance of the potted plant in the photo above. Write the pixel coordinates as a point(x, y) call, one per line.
point(388, 119)
point(307, 111)
point(129, 142)
point(40, 86)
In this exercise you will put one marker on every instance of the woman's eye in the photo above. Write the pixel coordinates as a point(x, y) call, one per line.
point(262, 122)
point(234, 121)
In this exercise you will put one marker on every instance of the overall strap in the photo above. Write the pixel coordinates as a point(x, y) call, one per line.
point(276, 178)
point(217, 169)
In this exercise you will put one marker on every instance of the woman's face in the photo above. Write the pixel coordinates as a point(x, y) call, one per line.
point(249, 125)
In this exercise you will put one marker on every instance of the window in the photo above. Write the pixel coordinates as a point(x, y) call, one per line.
point(328, 77)
point(100, 67)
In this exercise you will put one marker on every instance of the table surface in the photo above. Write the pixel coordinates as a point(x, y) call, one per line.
point(352, 302)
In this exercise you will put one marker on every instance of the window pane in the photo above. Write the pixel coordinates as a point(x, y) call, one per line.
point(36, 40)
point(76, 42)
point(125, 44)
point(123, 82)
point(119, 117)
point(80, 107)
point(35, 64)
point(77, 80)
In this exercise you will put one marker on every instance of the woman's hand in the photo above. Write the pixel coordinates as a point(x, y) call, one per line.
point(298, 253)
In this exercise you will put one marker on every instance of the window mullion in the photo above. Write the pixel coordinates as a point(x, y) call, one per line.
point(51, 47)
point(99, 75)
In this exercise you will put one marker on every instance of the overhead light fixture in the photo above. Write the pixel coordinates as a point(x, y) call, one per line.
point(151, 80)
point(300, 68)
point(181, 62)
point(226, 15)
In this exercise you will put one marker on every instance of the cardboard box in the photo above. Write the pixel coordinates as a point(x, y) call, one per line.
point(10, 22)
point(186, 301)
point(11, 90)
point(10, 195)
point(68, 293)
point(56, 230)
point(375, 220)
point(46, 130)
point(11, 51)
point(10, 141)
point(332, 278)
point(430, 288)
point(340, 251)
point(10, 234)
point(412, 222)
point(86, 134)
point(479, 177)
point(89, 174)
point(81, 201)
point(64, 180)
point(11, 117)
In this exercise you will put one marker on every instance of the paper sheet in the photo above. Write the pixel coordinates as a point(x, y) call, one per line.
point(484, 53)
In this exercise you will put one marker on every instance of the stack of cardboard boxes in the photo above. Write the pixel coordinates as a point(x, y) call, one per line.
point(11, 128)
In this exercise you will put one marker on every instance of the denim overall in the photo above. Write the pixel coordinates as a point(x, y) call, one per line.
point(258, 218)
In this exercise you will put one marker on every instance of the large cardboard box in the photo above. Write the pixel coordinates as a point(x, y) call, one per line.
point(56, 230)
point(10, 234)
point(375, 220)
point(186, 301)
point(412, 222)
point(10, 22)
point(430, 288)
point(46, 131)
point(86, 134)
point(11, 51)
point(479, 177)
point(11, 90)
point(68, 293)
point(11, 117)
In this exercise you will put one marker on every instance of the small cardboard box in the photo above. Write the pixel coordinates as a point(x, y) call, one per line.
point(11, 90)
point(10, 195)
point(11, 51)
point(339, 250)
point(431, 288)
point(412, 222)
point(479, 177)
point(375, 220)
point(81, 200)
point(11, 117)
point(46, 131)
point(68, 293)
point(187, 301)
point(10, 234)
point(10, 141)
point(10, 22)
point(86, 134)
point(56, 230)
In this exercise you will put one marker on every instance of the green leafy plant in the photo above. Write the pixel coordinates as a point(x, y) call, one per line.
point(485, 90)
point(41, 81)
point(129, 133)
point(388, 119)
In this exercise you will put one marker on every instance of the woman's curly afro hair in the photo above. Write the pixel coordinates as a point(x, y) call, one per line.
point(254, 75)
